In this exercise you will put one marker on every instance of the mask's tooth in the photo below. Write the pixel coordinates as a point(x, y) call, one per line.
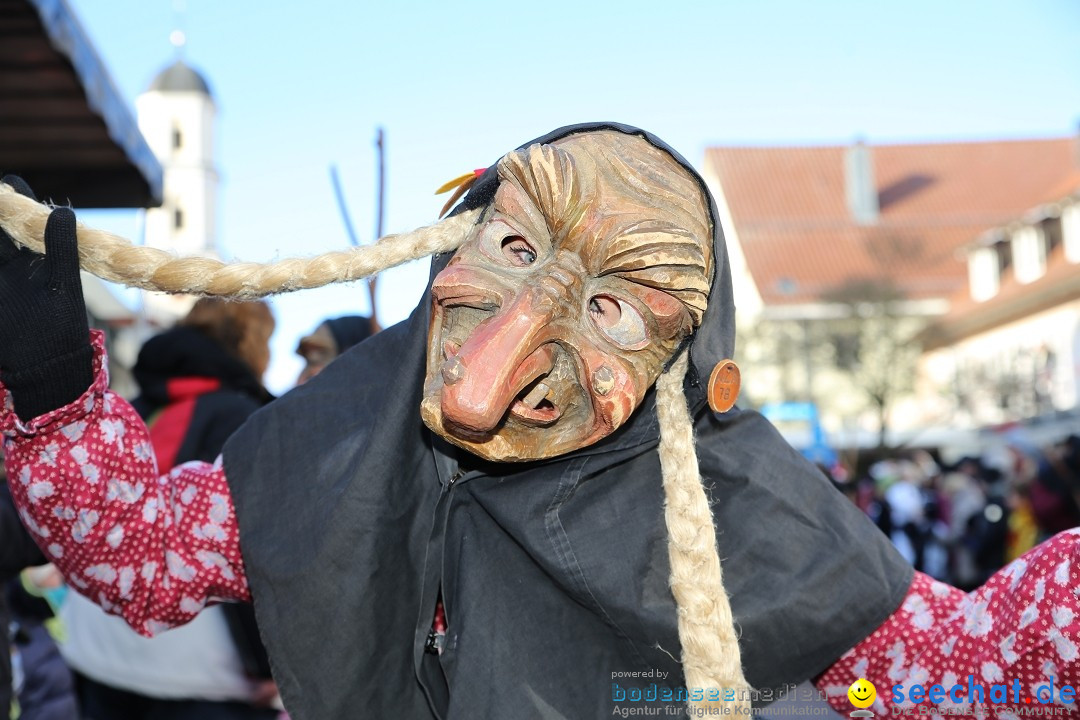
point(453, 370)
point(536, 395)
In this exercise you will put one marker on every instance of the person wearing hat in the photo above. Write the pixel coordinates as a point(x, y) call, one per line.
point(331, 338)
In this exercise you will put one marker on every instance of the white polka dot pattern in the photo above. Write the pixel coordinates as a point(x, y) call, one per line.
point(151, 548)
point(1021, 625)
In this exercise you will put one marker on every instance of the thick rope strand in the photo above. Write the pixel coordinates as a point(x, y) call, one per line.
point(113, 258)
point(710, 647)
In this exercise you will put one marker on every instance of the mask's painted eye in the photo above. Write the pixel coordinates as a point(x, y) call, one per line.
point(619, 321)
point(518, 251)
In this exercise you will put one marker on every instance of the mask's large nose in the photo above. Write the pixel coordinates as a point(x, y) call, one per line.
point(497, 362)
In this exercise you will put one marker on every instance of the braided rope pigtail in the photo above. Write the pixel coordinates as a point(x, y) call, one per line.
point(113, 258)
point(710, 647)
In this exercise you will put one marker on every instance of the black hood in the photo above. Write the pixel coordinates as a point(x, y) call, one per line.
point(349, 330)
point(354, 519)
point(185, 352)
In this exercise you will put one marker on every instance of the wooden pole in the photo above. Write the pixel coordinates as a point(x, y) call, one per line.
point(354, 240)
point(379, 207)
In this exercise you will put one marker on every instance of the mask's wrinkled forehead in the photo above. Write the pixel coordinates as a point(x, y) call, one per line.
point(625, 206)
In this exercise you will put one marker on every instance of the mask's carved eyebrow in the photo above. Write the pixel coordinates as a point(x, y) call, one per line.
point(547, 175)
point(658, 254)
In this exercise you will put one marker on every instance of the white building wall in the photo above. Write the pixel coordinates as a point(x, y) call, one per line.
point(988, 359)
point(191, 178)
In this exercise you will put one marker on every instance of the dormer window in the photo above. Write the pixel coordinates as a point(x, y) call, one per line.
point(1003, 250)
point(1029, 253)
point(1051, 233)
point(1070, 232)
point(983, 273)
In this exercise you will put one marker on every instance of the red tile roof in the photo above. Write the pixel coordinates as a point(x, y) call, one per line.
point(790, 213)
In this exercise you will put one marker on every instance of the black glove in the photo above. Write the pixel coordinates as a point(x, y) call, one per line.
point(45, 356)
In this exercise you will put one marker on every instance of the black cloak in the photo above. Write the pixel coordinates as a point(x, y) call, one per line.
point(554, 574)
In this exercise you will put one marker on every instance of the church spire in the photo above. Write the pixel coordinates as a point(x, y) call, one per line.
point(178, 37)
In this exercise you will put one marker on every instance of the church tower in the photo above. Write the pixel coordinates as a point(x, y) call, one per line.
point(176, 116)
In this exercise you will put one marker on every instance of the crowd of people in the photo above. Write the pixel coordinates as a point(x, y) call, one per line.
point(69, 659)
point(963, 521)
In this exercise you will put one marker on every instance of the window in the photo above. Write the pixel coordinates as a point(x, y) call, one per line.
point(177, 138)
point(178, 218)
point(1029, 253)
point(846, 350)
point(1051, 231)
point(983, 273)
point(1070, 231)
point(1003, 248)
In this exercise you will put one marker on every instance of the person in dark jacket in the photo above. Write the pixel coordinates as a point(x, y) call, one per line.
point(46, 687)
point(1055, 494)
point(199, 381)
point(17, 551)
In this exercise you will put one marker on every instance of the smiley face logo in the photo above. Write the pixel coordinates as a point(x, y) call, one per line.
point(862, 693)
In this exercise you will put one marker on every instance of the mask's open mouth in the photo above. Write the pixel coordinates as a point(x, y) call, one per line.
point(535, 404)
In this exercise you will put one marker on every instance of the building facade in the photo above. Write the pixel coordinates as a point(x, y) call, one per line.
point(842, 256)
point(1009, 348)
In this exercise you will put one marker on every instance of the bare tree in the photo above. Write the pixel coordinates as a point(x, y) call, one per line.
point(875, 343)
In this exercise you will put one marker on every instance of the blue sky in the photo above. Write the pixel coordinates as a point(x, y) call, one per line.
point(302, 85)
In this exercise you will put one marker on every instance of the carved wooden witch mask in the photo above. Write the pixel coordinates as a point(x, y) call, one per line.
point(557, 314)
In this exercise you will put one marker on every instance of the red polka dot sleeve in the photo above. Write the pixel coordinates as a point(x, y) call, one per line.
point(985, 653)
point(151, 548)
